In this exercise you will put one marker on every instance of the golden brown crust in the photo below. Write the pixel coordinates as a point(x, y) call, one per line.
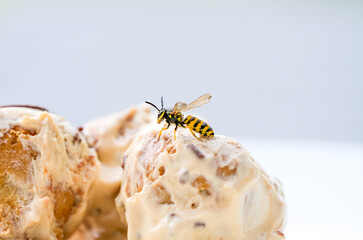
point(14, 158)
point(15, 162)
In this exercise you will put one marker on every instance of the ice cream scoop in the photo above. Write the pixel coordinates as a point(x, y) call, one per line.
point(110, 136)
point(189, 189)
point(46, 172)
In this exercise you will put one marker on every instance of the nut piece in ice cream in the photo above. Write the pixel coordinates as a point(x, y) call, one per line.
point(187, 189)
point(110, 136)
point(46, 170)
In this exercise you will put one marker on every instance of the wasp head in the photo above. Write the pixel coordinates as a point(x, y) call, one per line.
point(161, 115)
point(162, 112)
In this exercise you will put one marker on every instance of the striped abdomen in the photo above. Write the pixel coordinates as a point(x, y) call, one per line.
point(198, 126)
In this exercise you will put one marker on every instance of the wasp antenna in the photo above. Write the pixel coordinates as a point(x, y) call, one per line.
point(152, 105)
point(162, 103)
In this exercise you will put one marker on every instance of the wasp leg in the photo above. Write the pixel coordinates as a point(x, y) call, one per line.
point(194, 134)
point(176, 127)
point(164, 128)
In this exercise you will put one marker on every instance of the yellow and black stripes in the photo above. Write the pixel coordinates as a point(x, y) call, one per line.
point(178, 117)
point(198, 126)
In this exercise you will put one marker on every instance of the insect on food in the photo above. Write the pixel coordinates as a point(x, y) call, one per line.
point(176, 117)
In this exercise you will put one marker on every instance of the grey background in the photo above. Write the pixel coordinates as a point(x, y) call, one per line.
point(281, 70)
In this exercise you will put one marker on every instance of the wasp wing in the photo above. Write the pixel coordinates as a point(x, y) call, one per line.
point(178, 106)
point(182, 107)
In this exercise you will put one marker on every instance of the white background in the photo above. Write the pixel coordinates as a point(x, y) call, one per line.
point(275, 70)
point(286, 79)
point(322, 182)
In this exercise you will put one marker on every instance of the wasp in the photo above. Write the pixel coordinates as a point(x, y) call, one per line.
point(176, 117)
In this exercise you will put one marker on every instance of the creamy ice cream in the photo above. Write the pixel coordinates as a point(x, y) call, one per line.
point(188, 189)
point(46, 171)
point(102, 221)
point(110, 136)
